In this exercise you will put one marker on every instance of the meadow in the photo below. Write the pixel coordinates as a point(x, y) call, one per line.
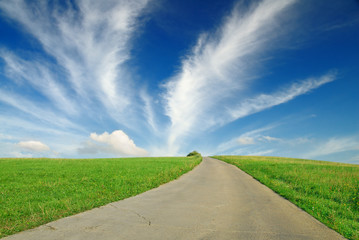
point(328, 191)
point(36, 191)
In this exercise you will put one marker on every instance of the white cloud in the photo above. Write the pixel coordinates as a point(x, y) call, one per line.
point(269, 138)
point(260, 153)
point(116, 142)
point(36, 109)
point(338, 25)
point(212, 88)
point(225, 146)
point(250, 151)
point(334, 145)
point(84, 68)
point(248, 138)
point(38, 74)
point(264, 101)
point(252, 135)
point(90, 42)
point(149, 111)
point(354, 159)
point(34, 146)
point(6, 137)
point(298, 141)
point(245, 140)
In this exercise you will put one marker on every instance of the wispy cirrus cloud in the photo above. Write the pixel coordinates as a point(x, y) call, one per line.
point(264, 101)
point(74, 77)
point(270, 139)
point(248, 138)
point(40, 75)
point(89, 41)
point(38, 110)
point(245, 140)
point(149, 112)
point(212, 88)
point(75, 73)
point(334, 145)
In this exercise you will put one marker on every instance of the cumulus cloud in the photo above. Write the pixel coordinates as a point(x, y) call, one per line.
point(34, 146)
point(116, 142)
point(75, 69)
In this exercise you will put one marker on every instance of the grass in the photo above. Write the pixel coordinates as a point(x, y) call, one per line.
point(36, 191)
point(326, 190)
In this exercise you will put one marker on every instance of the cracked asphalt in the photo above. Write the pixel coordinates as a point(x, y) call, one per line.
point(214, 201)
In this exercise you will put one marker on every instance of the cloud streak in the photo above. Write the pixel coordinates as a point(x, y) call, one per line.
point(37, 73)
point(34, 146)
point(90, 43)
point(264, 101)
point(212, 87)
point(334, 145)
point(75, 75)
point(76, 67)
point(245, 140)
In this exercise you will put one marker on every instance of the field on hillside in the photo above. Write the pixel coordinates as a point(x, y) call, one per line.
point(326, 190)
point(37, 191)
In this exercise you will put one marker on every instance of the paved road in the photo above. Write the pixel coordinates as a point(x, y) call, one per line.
point(214, 201)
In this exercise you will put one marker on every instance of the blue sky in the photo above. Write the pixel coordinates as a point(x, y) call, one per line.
point(164, 77)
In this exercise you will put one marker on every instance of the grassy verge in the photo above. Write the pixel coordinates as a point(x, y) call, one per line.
point(37, 191)
point(328, 191)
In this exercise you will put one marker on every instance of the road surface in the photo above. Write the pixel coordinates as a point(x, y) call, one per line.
point(216, 200)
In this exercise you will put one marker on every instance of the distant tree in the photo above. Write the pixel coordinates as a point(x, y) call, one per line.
point(193, 153)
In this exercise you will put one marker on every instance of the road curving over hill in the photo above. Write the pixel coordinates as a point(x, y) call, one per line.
point(216, 200)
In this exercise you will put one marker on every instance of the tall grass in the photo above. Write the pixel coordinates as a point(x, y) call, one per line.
point(37, 191)
point(326, 190)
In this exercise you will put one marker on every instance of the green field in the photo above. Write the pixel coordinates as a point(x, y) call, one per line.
point(37, 191)
point(326, 190)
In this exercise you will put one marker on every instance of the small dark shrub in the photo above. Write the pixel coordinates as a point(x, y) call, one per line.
point(193, 153)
